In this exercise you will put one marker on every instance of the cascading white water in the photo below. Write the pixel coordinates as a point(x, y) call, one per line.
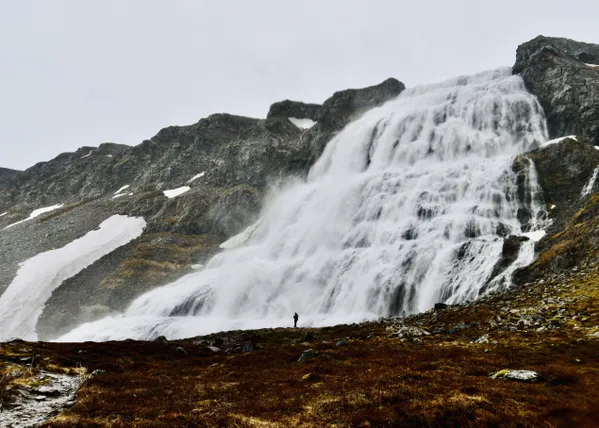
point(407, 206)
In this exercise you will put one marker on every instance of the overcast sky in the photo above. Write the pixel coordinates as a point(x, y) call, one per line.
point(75, 73)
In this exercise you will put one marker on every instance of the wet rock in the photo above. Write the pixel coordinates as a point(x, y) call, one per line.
point(519, 375)
point(439, 306)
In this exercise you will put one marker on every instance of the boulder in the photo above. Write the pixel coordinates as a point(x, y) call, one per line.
point(518, 375)
point(306, 355)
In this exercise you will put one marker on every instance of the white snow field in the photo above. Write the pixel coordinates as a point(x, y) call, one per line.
point(24, 299)
point(36, 213)
point(173, 193)
point(302, 123)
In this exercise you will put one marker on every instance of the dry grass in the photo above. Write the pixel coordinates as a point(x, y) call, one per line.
point(375, 380)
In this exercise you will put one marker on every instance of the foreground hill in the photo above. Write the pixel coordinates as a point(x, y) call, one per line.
point(433, 369)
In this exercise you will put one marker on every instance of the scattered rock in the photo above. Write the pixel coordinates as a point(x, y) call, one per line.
point(247, 347)
point(181, 350)
point(214, 348)
point(341, 342)
point(483, 340)
point(409, 331)
point(306, 355)
point(310, 377)
point(161, 339)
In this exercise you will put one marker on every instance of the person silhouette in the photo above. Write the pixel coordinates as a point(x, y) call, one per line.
point(295, 318)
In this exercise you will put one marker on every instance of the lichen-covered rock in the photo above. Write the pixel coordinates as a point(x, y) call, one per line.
point(519, 375)
point(557, 71)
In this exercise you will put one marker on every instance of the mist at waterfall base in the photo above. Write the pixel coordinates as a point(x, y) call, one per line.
point(407, 206)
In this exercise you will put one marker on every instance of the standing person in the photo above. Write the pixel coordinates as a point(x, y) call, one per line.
point(295, 318)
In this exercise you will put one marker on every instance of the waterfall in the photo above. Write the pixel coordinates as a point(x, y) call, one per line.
point(407, 206)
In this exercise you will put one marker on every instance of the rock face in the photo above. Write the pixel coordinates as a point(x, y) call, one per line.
point(564, 169)
point(295, 109)
point(560, 73)
point(228, 162)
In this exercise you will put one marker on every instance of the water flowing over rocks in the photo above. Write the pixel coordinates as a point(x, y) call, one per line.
point(229, 163)
point(417, 190)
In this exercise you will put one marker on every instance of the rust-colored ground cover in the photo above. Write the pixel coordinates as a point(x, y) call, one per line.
point(441, 379)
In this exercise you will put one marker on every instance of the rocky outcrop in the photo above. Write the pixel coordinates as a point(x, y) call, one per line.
point(564, 169)
point(560, 73)
point(295, 109)
point(341, 109)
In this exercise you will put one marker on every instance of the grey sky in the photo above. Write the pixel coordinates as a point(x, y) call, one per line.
point(76, 72)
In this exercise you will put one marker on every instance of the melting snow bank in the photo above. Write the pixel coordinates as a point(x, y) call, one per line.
point(302, 123)
point(34, 406)
point(36, 213)
point(195, 177)
point(24, 299)
point(172, 193)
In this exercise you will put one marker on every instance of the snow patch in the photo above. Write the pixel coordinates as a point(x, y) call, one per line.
point(173, 193)
point(196, 267)
point(302, 123)
point(591, 65)
point(126, 186)
point(559, 140)
point(36, 213)
point(195, 177)
point(240, 238)
point(588, 188)
point(552, 207)
point(87, 155)
point(122, 194)
point(24, 299)
point(3, 214)
point(535, 236)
